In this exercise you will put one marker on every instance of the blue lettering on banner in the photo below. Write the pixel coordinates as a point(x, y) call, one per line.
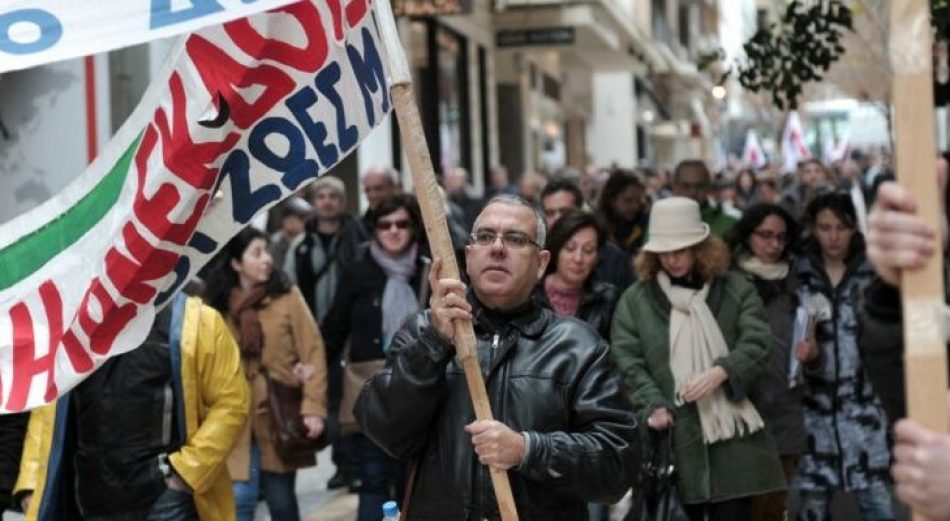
point(181, 274)
point(295, 166)
point(162, 14)
point(369, 74)
point(316, 130)
point(51, 30)
point(326, 83)
point(244, 201)
point(202, 242)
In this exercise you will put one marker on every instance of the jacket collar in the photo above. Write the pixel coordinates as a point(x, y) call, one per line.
point(529, 319)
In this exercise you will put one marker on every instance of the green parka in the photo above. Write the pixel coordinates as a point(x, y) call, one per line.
point(731, 469)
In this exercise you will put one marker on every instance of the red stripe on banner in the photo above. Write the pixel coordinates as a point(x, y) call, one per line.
point(92, 142)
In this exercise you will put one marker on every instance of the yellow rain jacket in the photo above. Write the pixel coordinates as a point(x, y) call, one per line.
point(215, 400)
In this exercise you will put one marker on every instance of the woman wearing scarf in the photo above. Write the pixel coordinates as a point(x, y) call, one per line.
point(376, 295)
point(845, 421)
point(763, 242)
point(278, 339)
point(692, 341)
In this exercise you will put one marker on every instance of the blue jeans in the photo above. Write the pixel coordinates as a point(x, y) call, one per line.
point(874, 503)
point(383, 479)
point(278, 490)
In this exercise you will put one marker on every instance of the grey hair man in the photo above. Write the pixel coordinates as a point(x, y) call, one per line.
point(563, 430)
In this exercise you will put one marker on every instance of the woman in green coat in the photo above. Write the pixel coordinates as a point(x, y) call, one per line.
point(692, 340)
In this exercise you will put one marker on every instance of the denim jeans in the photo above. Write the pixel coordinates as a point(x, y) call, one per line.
point(278, 490)
point(383, 479)
point(874, 503)
point(172, 505)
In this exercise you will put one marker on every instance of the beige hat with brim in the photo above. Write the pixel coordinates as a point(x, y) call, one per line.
point(675, 223)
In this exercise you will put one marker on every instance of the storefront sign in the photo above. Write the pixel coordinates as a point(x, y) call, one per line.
point(541, 36)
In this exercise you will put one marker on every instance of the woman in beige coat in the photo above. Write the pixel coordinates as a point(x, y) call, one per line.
point(278, 338)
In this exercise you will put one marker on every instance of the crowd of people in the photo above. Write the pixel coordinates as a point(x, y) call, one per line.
point(750, 319)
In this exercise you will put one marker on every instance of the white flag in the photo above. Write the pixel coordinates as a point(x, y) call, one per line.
point(752, 153)
point(793, 143)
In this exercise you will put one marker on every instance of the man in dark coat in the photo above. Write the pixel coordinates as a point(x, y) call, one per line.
point(563, 430)
point(12, 431)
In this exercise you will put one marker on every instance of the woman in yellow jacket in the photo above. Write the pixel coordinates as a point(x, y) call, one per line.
point(278, 339)
point(209, 401)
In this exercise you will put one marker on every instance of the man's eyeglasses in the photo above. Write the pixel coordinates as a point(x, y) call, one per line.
point(771, 236)
point(513, 240)
point(402, 224)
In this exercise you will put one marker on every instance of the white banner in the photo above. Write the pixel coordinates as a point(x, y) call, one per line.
point(34, 32)
point(242, 115)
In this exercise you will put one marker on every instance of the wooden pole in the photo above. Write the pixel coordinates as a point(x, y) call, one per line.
point(922, 293)
point(433, 214)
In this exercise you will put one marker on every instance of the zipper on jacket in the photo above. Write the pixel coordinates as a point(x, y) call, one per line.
point(167, 411)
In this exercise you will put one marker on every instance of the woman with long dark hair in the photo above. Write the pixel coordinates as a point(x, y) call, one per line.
point(377, 293)
point(763, 243)
point(569, 286)
point(692, 341)
point(845, 422)
point(279, 340)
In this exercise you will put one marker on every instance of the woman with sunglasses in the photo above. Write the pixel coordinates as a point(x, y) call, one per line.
point(763, 243)
point(376, 294)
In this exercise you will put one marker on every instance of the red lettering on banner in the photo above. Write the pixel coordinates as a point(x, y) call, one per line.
point(153, 212)
point(307, 59)
point(78, 356)
point(355, 11)
point(26, 365)
point(222, 75)
point(185, 158)
point(336, 12)
point(114, 318)
point(147, 263)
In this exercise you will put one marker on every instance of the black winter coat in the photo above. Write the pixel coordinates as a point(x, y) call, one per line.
point(357, 315)
point(551, 378)
point(881, 340)
point(596, 307)
point(781, 406)
point(12, 432)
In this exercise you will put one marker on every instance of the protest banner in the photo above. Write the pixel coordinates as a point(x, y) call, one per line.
point(34, 32)
point(241, 116)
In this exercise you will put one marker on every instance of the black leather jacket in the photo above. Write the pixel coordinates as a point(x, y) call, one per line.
point(551, 378)
point(596, 307)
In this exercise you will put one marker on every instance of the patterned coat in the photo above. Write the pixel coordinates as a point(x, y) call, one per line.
point(846, 424)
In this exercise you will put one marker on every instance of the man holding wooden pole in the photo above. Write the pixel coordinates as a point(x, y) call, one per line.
point(563, 430)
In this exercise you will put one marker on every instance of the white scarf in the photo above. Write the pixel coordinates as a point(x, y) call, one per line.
point(765, 271)
point(696, 342)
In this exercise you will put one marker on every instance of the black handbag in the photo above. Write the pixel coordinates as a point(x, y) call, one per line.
point(288, 431)
point(655, 497)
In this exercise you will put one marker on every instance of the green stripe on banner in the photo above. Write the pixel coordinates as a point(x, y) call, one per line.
point(33, 251)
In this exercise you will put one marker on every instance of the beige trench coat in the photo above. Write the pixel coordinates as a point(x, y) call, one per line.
point(290, 336)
